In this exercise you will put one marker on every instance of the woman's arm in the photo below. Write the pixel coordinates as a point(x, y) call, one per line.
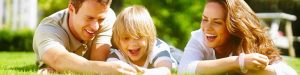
point(217, 66)
point(253, 62)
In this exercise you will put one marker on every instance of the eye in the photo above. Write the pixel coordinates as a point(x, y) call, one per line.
point(90, 18)
point(204, 20)
point(126, 38)
point(101, 20)
point(218, 22)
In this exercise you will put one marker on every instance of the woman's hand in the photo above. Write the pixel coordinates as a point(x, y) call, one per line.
point(255, 61)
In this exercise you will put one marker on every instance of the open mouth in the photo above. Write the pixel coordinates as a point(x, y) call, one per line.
point(134, 52)
point(210, 37)
point(89, 32)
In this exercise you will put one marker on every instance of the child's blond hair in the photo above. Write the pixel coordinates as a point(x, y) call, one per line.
point(134, 21)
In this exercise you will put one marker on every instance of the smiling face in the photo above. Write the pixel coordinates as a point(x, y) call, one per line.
point(134, 47)
point(134, 34)
point(214, 25)
point(86, 22)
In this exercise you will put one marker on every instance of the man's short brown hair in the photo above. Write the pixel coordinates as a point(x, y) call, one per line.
point(77, 3)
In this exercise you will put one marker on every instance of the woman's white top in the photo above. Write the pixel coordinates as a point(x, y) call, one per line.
point(197, 50)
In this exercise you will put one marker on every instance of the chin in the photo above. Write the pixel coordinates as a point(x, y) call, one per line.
point(211, 45)
point(134, 59)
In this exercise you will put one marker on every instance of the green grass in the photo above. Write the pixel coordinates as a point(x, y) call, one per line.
point(294, 63)
point(23, 63)
point(16, 63)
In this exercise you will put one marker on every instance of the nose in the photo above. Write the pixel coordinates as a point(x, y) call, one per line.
point(132, 42)
point(95, 26)
point(207, 26)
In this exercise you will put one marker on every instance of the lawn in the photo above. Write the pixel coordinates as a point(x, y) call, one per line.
point(23, 63)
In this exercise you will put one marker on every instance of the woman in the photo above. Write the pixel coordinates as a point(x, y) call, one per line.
point(231, 41)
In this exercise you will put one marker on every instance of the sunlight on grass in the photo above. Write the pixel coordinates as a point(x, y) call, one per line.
point(15, 63)
point(23, 63)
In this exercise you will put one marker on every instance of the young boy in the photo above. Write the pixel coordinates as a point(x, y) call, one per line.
point(134, 42)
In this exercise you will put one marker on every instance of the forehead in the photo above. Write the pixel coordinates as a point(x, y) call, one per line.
point(214, 10)
point(93, 8)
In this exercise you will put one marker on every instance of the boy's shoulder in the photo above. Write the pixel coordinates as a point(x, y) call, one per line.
point(115, 53)
point(160, 46)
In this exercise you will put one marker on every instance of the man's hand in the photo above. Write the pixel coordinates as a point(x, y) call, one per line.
point(121, 68)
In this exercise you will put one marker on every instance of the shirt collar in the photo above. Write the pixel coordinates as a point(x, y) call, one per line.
point(74, 43)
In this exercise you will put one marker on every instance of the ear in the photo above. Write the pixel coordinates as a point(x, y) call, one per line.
point(71, 8)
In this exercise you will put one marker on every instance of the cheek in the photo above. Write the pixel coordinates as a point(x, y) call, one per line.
point(122, 44)
point(203, 26)
point(224, 34)
point(143, 43)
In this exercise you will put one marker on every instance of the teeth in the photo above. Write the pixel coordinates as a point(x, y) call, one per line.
point(91, 32)
point(210, 35)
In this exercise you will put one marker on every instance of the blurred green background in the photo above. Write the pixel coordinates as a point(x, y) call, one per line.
point(174, 19)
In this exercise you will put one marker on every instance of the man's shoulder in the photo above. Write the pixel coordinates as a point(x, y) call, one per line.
point(109, 20)
point(55, 19)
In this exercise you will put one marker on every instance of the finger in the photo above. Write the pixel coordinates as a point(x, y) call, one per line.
point(256, 65)
point(126, 66)
point(138, 69)
point(264, 62)
point(129, 68)
point(265, 58)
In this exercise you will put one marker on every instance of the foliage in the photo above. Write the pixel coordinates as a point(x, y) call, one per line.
point(19, 40)
point(48, 7)
point(174, 19)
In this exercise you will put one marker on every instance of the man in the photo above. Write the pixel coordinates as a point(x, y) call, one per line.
point(66, 40)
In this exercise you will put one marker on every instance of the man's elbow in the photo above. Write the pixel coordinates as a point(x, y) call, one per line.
point(55, 60)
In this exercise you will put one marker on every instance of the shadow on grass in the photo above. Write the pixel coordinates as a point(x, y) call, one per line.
point(25, 68)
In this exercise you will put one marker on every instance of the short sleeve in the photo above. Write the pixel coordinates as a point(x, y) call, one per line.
point(161, 52)
point(115, 55)
point(192, 53)
point(283, 69)
point(49, 36)
point(105, 33)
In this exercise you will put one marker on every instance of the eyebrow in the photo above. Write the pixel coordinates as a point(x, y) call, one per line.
point(213, 18)
point(102, 17)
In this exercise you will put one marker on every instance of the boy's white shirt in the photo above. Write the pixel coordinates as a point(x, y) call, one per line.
point(197, 50)
point(152, 55)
